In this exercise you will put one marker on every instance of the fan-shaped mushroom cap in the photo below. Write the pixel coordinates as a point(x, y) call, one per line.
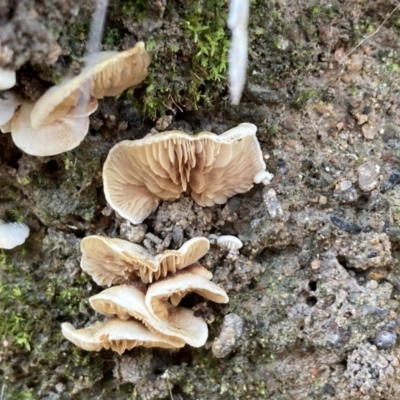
point(12, 234)
point(126, 301)
point(106, 74)
point(8, 104)
point(113, 71)
point(111, 261)
point(60, 136)
point(8, 78)
point(114, 334)
point(194, 279)
point(229, 242)
point(138, 174)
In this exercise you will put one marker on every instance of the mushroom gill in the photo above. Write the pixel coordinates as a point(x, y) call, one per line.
point(114, 334)
point(110, 260)
point(106, 74)
point(139, 174)
point(128, 301)
point(193, 279)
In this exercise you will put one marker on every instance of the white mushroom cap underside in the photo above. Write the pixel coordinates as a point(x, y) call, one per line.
point(63, 135)
point(195, 279)
point(12, 234)
point(229, 242)
point(138, 174)
point(115, 334)
point(110, 260)
point(128, 301)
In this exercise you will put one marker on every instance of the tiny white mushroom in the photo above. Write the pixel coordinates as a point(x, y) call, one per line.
point(228, 242)
point(7, 78)
point(12, 234)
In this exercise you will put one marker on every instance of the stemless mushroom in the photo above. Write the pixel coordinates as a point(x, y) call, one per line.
point(12, 234)
point(106, 74)
point(111, 261)
point(229, 242)
point(193, 279)
point(139, 174)
point(8, 78)
point(114, 334)
point(9, 102)
point(58, 136)
point(127, 301)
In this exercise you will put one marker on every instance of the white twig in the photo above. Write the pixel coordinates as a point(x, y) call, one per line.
point(237, 23)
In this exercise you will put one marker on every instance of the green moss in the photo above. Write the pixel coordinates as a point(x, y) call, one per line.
point(304, 95)
point(191, 72)
point(111, 37)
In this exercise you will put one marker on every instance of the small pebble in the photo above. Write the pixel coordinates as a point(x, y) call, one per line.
point(316, 264)
point(231, 331)
point(133, 233)
point(372, 284)
point(385, 339)
point(272, 203)
point(322, 200)
point(344, 185)
point(368, 174)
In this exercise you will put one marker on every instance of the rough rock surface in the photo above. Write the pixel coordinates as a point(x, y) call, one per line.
point(317, 282)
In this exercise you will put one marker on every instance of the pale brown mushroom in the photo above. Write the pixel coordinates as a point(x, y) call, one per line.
point(125, 302)
point(139, 174)
point(110, 260)
point(113, 72)
point(114, 334)
point(106, 74)
point(193, 279)
point(59, 136)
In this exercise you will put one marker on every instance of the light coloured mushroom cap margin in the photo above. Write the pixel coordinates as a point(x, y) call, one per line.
point(114, 334)
point(128, 301)
point(12, 234)
point(9, 102)
point(175, 287)
point(111, 261)
point(138, 174)
point(62, 135)
point(8, 78)
point(106, 74)
point(113, 71)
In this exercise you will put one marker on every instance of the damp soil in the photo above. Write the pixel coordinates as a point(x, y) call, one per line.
point(315, 290)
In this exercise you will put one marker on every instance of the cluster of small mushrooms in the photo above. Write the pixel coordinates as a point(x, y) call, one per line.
point(143, 308)
point(137, 175)
point(144, 311)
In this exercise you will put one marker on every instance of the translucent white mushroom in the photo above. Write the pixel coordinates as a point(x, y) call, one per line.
point(228, 242)
point(12, 234)
point(8, 104)
point(7, 78)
